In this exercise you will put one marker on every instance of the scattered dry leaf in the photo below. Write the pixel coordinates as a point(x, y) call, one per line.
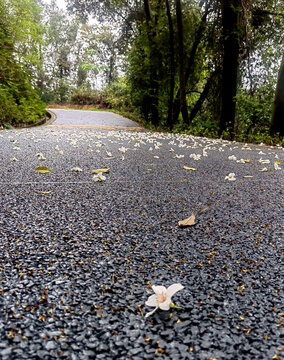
point(248, 176)
point(189, 168)
point(187, 222)
point(46, 192)
point(43, 170)
point(247, 160)
point(97, 171)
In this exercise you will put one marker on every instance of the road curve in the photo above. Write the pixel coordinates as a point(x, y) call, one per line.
point(97, 119)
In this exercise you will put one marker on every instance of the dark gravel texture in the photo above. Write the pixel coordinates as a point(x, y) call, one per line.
point(77, 257)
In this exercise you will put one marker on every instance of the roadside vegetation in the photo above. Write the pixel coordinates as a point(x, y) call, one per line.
point(208, 68)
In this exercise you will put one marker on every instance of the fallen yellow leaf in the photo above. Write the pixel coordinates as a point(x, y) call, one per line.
point(247, 160)
point(43, 170)
point(189, 168)
point(187, 222)
point(97, 171)
point(46, 192)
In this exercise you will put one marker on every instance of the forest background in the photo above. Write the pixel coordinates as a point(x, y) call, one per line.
point(211, 68)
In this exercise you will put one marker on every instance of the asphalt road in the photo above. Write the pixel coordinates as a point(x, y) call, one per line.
point(78, 256)
point(102, 119)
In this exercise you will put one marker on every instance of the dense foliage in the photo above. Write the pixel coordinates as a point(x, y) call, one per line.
point(205, 67)
point(19, 38)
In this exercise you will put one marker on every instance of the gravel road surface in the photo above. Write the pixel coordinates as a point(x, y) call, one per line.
point(78, 256)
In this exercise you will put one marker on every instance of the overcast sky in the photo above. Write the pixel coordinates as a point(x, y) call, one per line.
point(61, 4)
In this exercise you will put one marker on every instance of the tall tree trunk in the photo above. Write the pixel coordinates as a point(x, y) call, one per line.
point(202, 98)
point(277, 119)
point(183, 104)
point(231, 13)
point(152, 98)
point(172, 68)
point(190, 62)
point(147, 11)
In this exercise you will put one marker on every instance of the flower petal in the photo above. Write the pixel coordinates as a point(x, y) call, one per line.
point(171, 290)
point(152, 301)
point(159, 289)
point(165, 305)
point(151, 312)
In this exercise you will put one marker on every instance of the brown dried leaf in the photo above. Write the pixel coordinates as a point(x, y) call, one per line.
point(97, 171)
point(43, 170)
point(189, 168)
point(187, 222)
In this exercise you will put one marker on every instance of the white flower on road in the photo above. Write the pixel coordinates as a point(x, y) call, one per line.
point(276, 166)
point(262, 161)
point(109, 154)
point(162, 298)
point(179, 156)
point(123, 149)
point(232, 157)
point(231, 177)
point(99, 177)
point(40, 156)
point(76, 169)
point(195, 156)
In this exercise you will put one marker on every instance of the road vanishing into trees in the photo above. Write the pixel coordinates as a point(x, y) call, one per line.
point(80, 250)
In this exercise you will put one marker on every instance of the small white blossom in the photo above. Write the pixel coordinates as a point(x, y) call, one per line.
point(99, 177)
point(232, 157)
point(162, 298)
point(40, 156)
point(262, 161)
point(195, 156)
point(231, 177)
point(276, 166)
point(76, 169)
point(122, 149)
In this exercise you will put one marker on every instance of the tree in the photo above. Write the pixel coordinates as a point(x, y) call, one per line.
point(183, 104)
point(170, 118)
point(232, 32)
point(277, 120)
point(19, 99)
